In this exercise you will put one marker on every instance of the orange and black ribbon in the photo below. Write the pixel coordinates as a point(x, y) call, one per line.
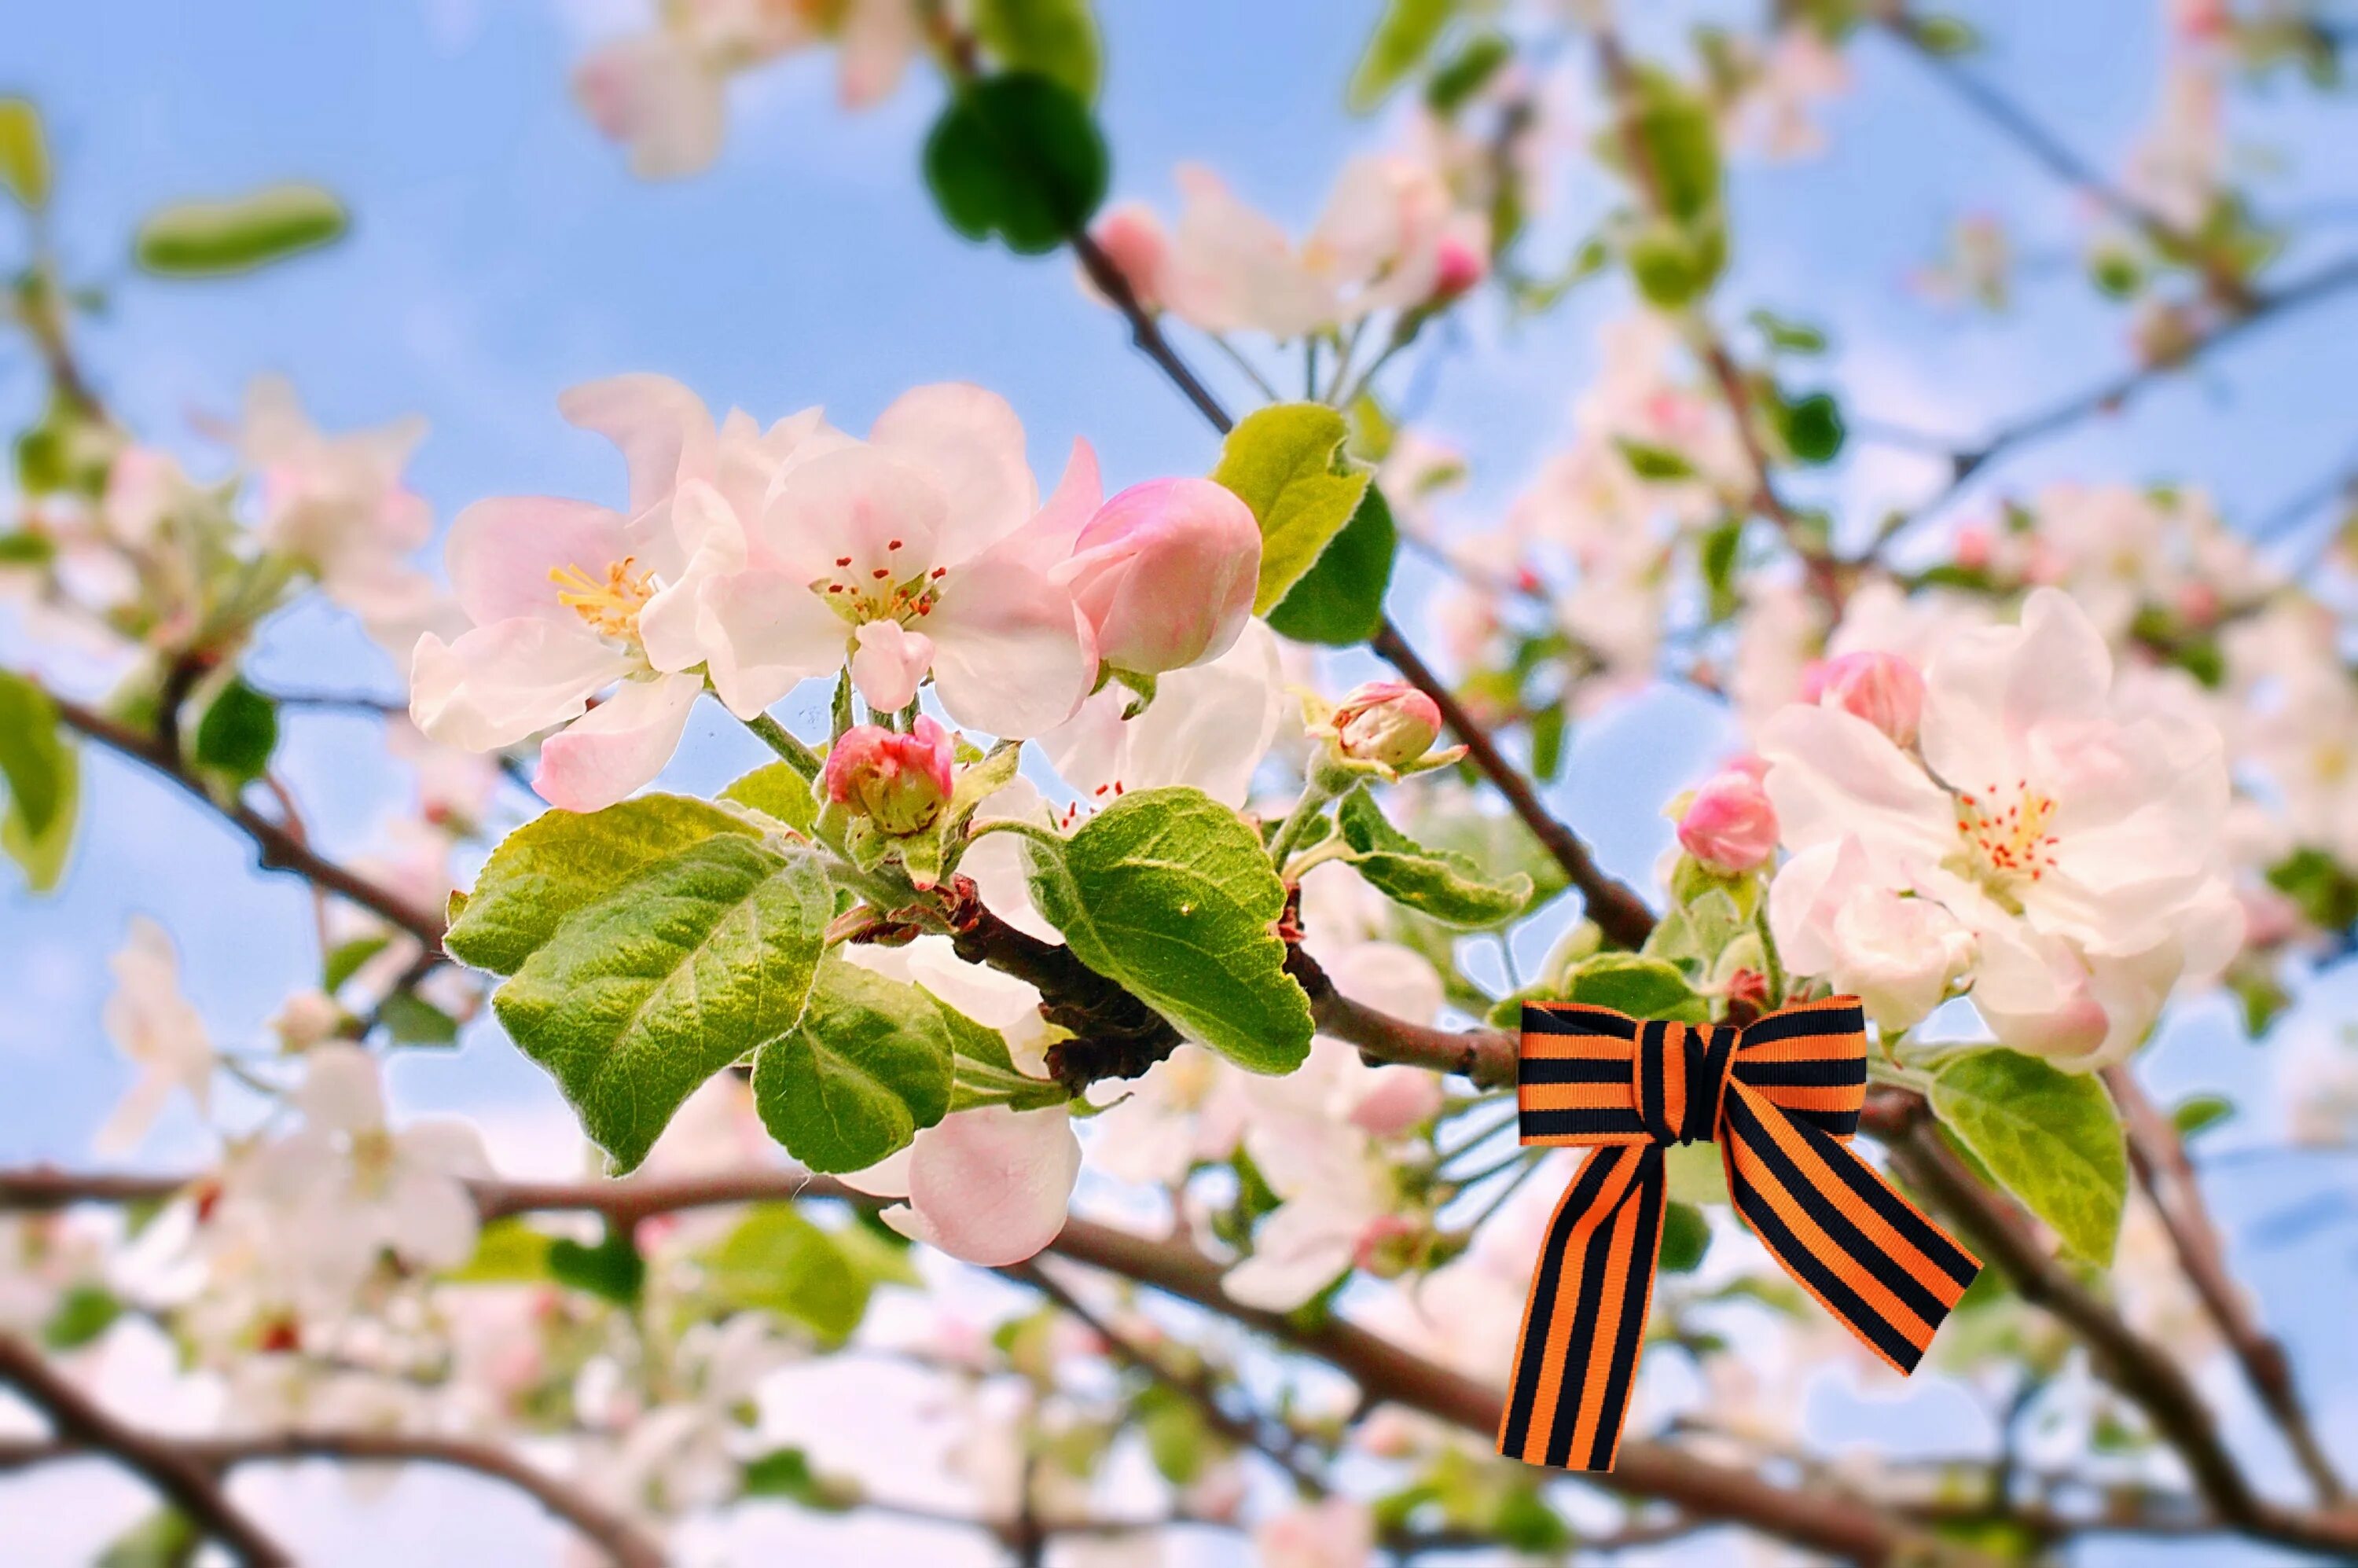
point(1781, 1096)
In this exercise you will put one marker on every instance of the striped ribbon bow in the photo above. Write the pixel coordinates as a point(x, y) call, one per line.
point(1780, 1096)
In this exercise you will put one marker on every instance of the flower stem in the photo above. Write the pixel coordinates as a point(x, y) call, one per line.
point(1314, 796)
point(784, 742)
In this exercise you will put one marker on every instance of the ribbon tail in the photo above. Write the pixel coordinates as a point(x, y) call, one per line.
point(1584, 1323)
point(1844, 1234)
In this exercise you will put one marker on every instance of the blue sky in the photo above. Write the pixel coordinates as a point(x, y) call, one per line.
point(502, 252)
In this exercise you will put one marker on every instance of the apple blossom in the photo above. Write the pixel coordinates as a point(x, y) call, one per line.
point(2078, 841)
point(346, 1185)
point(1728, 823)
point(1898, 954)
point(160, 1028)
point(898, 782)
point(1388, 722)
point(1335, 1533)
point(1165, 573)
point(1134, 241)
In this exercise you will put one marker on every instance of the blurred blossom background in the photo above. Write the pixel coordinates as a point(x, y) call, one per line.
point(501, 250)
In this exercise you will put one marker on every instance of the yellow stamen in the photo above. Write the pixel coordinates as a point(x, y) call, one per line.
point(610, 608)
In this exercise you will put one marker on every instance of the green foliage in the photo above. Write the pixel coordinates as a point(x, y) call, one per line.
point(1810, 427)
point(1018, 156)
point(778, 793)
point(787, 1473)
point(1945, 35)
point(1438, 884)
point(82, 1313)
point(1168, 893)
point(219, 239)
point(411, 1020)
point(1455, 80)
point(507, 1252)
point(164, 1539)
point(777, 1261)
point(2050, 1138)
point(672, 973)
point(1055, 38)
point(44, 779)
point(237, 733)
point(1686, 1237)
point(2198, 1113)
point(1788, 336)
point(984, 1074)
point(1676, 256)
point(1340, 600)
point(2327, 895)
point(869, 1064)
point(1404, 34)
point(1659, 464)
point(561, 861)
point(345, 960)
point(1288, 464)
point(1177, 1438)
point(1639, 985)
point(24, 153)
point(612, 1269)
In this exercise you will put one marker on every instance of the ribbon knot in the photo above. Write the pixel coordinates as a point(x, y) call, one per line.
point(1781, 1096)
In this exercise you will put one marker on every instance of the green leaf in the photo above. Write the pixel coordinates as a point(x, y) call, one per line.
point(1404, 34)
point(1682, 146)
point(1287, 463)
point(1453, 83)
point(2198, 1112)
point(1169, 894)
point(776, 1261)
point(1686, 1237)
point(1657, 463)
point(507, 1252)
point(217, 239)
point(1436, 883)
point(164, 1539)
point(1812, 427)
point(1058, 39)
point(678, 971)
point(868, 1066)
point(561, 861)
point(787, 1473)
point(2050, 1138)
point(2327, 894)
point(411, 1020)
point(1018, 156)
point(1339, 601)
point(1946, 36)
point(344, 960)
point(1792, 337)
point(778, 793)
point(985, 1074)
point(1640, 986)
point(238, 732)
point(44, 778)
point(24, 153)
point(83, 1313)
point(612, 1269)
point(1674, 267)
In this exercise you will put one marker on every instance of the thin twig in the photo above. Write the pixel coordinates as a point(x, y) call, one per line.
point(2162, 1169)
point(81, 1422)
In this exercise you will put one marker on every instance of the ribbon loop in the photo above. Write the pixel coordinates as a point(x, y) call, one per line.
point(1780, 1096)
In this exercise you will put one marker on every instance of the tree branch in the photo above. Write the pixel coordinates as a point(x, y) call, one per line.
point(279, 849)
point(622, 1540)
point(82, 1423)
point(2142, 1371)
point(2162, 1169)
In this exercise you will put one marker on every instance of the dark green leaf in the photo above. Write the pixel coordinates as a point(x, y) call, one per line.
point(612, 1269)
point(1454, 81)
point(344, 960)
point(413, 1021)
point(82, 1313)
point(1813, 427)
point(1018, 156)
point(1168, 892)
point(1340, 600)
point(44, 779)
point(1686, 1237)
point(2197, 1112)
point(869, 1064)
point(238, 732)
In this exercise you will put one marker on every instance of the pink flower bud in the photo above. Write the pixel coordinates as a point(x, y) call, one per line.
point(1166, 574)
point(1729, 825)
point(1458, 265)
point(1132, 237)
point(1882, 689)
point(898, 782)
point(1385, 721)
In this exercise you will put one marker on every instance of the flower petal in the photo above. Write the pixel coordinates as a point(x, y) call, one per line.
point(1012, 655)
point(992, 1186)
point(887, 663)
point(666, 433)
point(618, 746)
point(1989, 687)
point(501, 683)
point(763, 632)
point(503, 550)
point(970, 444)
